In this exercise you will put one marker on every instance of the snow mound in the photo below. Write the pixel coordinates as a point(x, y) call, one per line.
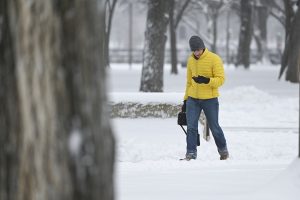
point(249, 106)
point(248, 94)
point(285, 186)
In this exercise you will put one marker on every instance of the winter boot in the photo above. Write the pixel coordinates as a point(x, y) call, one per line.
point(224, 155)
point(190, 156)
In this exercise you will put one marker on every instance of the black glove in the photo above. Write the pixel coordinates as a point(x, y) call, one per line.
point(201, 79)
point(183, 108)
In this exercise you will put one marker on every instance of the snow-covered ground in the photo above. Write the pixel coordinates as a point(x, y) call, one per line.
point(264, 78)
point(259, 116)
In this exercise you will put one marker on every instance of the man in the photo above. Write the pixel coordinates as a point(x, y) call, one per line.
point(205, 74)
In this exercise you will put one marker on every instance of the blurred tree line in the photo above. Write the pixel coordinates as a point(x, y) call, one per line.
point(253, 15)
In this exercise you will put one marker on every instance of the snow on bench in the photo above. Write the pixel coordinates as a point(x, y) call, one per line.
point(134, 105)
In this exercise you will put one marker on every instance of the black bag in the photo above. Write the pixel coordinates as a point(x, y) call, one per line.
point(181, 121)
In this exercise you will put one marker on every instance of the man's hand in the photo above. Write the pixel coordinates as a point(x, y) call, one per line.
point(183, 108)
point(201, 79)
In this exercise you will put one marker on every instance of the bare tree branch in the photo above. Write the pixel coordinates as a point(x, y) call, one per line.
point(275, 5)
point(180, 13)
point(279, 18)
point(204, 37)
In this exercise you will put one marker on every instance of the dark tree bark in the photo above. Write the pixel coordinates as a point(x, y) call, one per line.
point(83, 62)
point(174, 21)
point(289, 15)
point(291, 59)
point(243, 56)
point(9, 111)
point(215, 31)
point(213, 11)
point(276, 11)
point(43, 152)
point(65, 145)
point(260, 29)
point(153, 53)
point(173, 49)
point(228, 35)
point(110, 8)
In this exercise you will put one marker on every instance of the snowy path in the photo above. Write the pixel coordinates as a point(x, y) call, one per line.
point(148, 167)
point(205, 183)
point(259, 116)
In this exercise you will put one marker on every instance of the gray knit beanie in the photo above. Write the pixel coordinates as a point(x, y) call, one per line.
point(196, 43)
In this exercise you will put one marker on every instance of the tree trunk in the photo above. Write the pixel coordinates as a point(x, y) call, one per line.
point(173, 39)
point(110, 8)
point(243, 56)
point(209, 29)
point(260, 32)
point(228, 34)
point(9, 111)
point(174, 21)
point(153, 53)
point(43, 172)
point(289, 15)
point(66, 148)
point(292, 51)
point(290, 57)
point(213, 10)
point(106, 50)
point(215, 31)
point(259, 47)
point(83, 61)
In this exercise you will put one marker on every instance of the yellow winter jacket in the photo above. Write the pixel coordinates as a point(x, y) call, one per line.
point(209, 65)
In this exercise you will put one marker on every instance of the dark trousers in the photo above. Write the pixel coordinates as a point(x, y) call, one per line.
point(211, 110)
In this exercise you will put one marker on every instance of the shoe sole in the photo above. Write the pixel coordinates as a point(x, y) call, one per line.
point(224, 158)
point(181, 159)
